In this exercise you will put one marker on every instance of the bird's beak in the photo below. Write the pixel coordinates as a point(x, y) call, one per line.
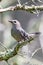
point(10, 21)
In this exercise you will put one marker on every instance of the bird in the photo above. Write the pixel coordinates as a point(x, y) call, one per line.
point(18, 33)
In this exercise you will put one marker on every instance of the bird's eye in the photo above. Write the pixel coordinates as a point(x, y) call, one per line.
point(15, 21)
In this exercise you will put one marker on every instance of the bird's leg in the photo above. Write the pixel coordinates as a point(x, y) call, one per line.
point(20, 41)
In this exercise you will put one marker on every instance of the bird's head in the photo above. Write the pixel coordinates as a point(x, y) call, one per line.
point(15, 22)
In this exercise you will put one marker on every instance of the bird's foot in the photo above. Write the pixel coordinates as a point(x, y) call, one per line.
point(21, 41)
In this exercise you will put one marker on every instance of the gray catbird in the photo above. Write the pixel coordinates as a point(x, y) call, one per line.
point(19, 33)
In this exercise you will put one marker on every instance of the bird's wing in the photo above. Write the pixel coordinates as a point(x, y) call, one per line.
point(24, 34)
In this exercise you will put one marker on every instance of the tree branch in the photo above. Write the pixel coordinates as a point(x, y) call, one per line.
point(12, 52)
point(23, 7)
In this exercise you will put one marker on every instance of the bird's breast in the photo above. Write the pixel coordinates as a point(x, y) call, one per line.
point(16, 34)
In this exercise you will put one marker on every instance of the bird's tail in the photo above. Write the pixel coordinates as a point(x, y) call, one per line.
point(37, 33)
